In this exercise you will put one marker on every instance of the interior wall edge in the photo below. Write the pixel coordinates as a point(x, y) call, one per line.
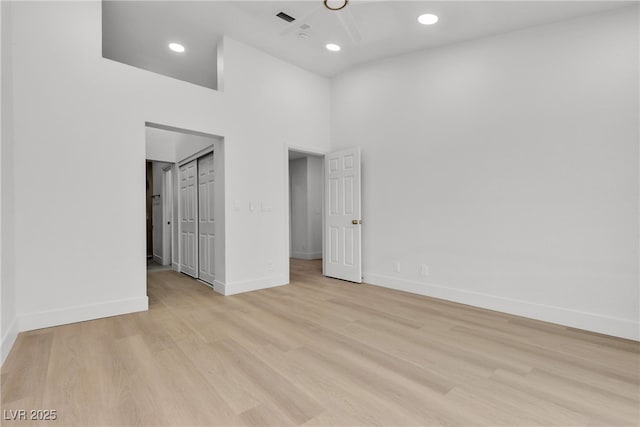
point(49, 318)
point(617, 327)
point(8, 340)
point(239, 287)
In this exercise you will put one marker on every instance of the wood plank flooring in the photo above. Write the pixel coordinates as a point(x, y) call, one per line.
point(319, 352)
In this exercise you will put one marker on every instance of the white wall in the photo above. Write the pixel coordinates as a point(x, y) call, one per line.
point(188, 145)
point(314, 212)
point(508, 165)
point(72, 106)
point(158, 189)
point(305, 176)
point(160, 145)
point(288, 106)
point(172, 146)
point(8, 323)
point(299, 208)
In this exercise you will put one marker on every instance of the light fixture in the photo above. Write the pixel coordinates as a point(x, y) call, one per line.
point(333, 47)
point(341, 4)
point(427, 19)
point(176, 47)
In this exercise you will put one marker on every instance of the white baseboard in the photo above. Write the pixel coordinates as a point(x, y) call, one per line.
point(618, 327)
point(45, 319)
point(175, 266)
point(8, 340)
point(307, 255)
point(218, 286)
point(250, 285)
point(158, 259)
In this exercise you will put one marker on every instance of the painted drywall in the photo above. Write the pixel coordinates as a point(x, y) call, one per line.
point(288, 106)
point(8, 316)
point(158, 189)
point(305, 177)
point(87, 108)
point(188, 145)
point(509, 166)
point(160, 145)
point(299, 208)
point(172, 146)
point(315, 166)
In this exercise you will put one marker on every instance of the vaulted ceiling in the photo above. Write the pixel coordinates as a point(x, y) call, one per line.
point(138, 32)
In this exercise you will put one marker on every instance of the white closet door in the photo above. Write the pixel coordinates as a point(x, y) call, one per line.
point(343, 247)
point(188, 219)
point(206, 226)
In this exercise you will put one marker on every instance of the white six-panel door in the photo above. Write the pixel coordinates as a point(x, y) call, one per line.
point(343, 238)
point(206, 219)
point(188, 224)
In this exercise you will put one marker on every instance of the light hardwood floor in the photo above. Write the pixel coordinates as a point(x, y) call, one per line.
point(319, 352)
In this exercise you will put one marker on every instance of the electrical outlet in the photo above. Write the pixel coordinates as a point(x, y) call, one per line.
point(424, 270)
point(269, 265)
point(396, 266)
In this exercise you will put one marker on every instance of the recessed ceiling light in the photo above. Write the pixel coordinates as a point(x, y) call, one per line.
point(333, 47)
point(176, 47)
point(427, 19)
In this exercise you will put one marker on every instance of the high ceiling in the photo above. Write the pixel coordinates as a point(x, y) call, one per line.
point(137, 32)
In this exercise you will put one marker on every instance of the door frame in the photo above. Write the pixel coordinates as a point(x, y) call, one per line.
point(167, 212)
point(287, 201)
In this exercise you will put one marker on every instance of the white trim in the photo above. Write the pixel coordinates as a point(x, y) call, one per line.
point(218, 286)
point(250, 285)
point(307, 255)
point(81, 313)
point(208, 149)
point(158, 259)
point(618, 327)
point(175, 266)
point(8, 340)
point(167, 211)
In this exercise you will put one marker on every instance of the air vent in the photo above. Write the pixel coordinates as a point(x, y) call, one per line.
point(286, 17)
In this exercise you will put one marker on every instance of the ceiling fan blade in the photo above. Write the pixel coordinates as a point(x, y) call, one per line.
point(300, 20)
point(348, 21)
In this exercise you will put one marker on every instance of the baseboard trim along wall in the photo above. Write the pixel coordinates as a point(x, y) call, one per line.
point(307, 255)
point(249, 285)
point(617, 327)
point(45, 319)
point(8, 340)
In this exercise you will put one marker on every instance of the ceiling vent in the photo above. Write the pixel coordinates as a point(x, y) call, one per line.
point(285, 17)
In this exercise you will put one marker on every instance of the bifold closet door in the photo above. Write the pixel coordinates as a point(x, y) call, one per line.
point(206, 219)
point(188, 219)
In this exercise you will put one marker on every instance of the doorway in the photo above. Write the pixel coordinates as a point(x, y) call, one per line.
point(306, 171)
point(187, 202)
point(334, 204)
point(158, 254)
